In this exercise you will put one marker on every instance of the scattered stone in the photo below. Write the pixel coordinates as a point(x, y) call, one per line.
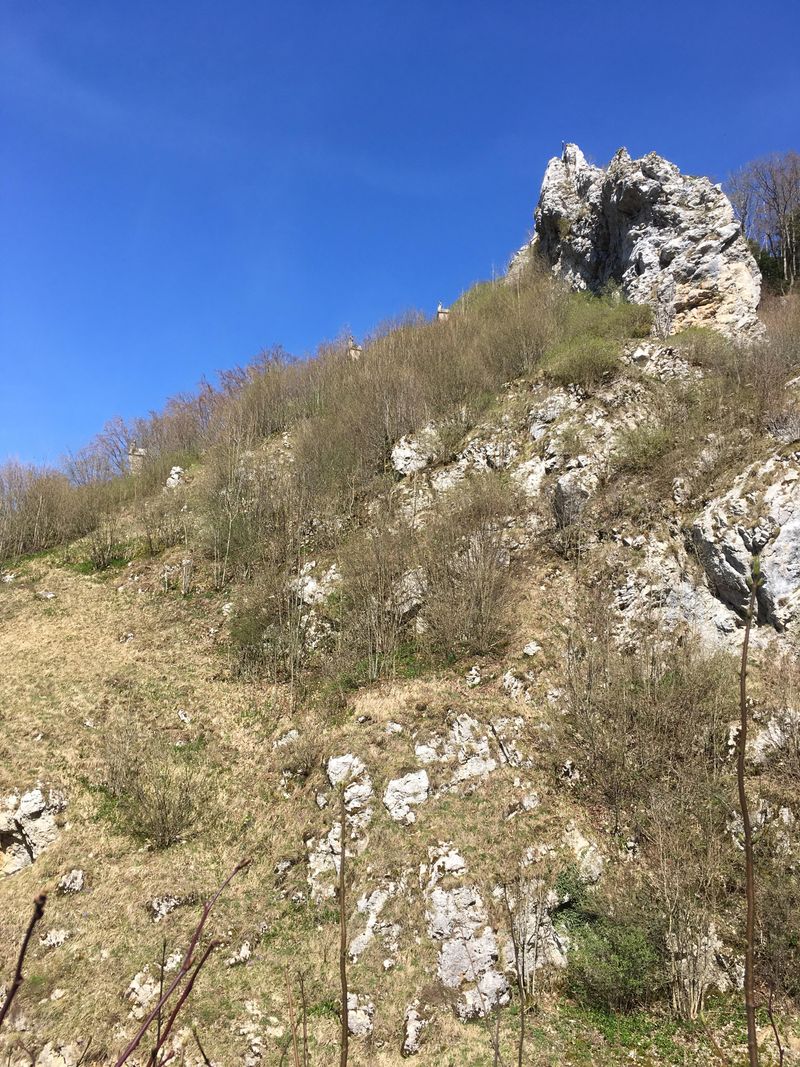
point(243, 954)
point(414, 1025)
point(531, 648)
point(286, 739)
point(73, 882)
point(54, 938)
point(473, 677)
point(162, 906)
point(141, 992)
point(54, 1055)
point(177, 477)
point(359, 1015)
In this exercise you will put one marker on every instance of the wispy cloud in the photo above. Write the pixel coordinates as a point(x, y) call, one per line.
point(43, 89)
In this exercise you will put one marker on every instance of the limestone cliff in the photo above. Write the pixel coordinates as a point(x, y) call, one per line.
point(667, 239)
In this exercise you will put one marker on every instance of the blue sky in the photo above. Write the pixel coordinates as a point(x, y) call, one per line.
point(184, 182)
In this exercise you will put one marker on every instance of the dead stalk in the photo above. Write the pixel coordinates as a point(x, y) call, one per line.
point(16, 981)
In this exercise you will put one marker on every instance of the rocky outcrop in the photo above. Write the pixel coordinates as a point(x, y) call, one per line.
point(667, 239)
point(28, 824)
point(404, 794)
point(759, 514)
point(468, 950)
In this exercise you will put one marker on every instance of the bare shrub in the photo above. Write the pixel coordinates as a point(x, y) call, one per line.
point(466, 566)
point(164, 801)
point(380, 595)
point(161, 791)
point(268, 633)
point(639, 718)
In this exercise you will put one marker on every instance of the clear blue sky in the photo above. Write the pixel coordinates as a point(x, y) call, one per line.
point(184, 182)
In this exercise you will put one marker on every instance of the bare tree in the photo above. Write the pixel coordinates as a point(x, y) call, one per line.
point(766, 196)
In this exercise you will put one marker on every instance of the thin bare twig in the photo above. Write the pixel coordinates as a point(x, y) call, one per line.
point(16, 981)
point(305, 1018)
point(185, 992)
point(206, 1060)
point(749, 866)
point(188, 961)
point(292, 1023)
point(774, 1025)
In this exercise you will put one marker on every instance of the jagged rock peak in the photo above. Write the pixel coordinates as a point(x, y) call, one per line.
point(667, 239)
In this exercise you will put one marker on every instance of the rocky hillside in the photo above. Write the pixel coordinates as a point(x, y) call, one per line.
point(461, 605)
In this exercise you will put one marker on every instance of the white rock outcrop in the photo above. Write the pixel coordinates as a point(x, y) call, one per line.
point(417, 451)
point(402, 795)
point(359, 1015)
point(468, 950)
point(73, 881)
point(414, 1025)
point(760, 513)
point(28, 824)
point(667, 239)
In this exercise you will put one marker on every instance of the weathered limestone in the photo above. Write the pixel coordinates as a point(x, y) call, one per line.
point(667, 239)
point(28, 824)
point(760, 513)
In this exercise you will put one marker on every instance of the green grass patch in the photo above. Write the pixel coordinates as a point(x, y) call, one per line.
point(582, 360)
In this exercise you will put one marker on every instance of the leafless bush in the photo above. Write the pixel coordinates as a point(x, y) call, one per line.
point(639, 718)
point(466, 566)
point(164, 801)
point(161, 792)
point(381, 594)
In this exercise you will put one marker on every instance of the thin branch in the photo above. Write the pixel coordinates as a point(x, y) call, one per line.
point(185, 992)
point(774, 1025)
point(206, 1060)
point(16, 982)
point(185, 967)
point(292, 1023)
point(750, 889)
point(345, 1029)
point(305, 1018)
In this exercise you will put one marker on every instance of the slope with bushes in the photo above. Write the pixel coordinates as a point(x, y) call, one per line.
point(455, 579)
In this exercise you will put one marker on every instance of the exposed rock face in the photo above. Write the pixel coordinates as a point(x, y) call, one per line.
point(468, 951)
point(404, 794)
point(27, 826)
point(668, 239)
point(760, 513)
point(359, 1015)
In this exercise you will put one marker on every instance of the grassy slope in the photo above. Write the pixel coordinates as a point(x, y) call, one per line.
point(65, 665)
